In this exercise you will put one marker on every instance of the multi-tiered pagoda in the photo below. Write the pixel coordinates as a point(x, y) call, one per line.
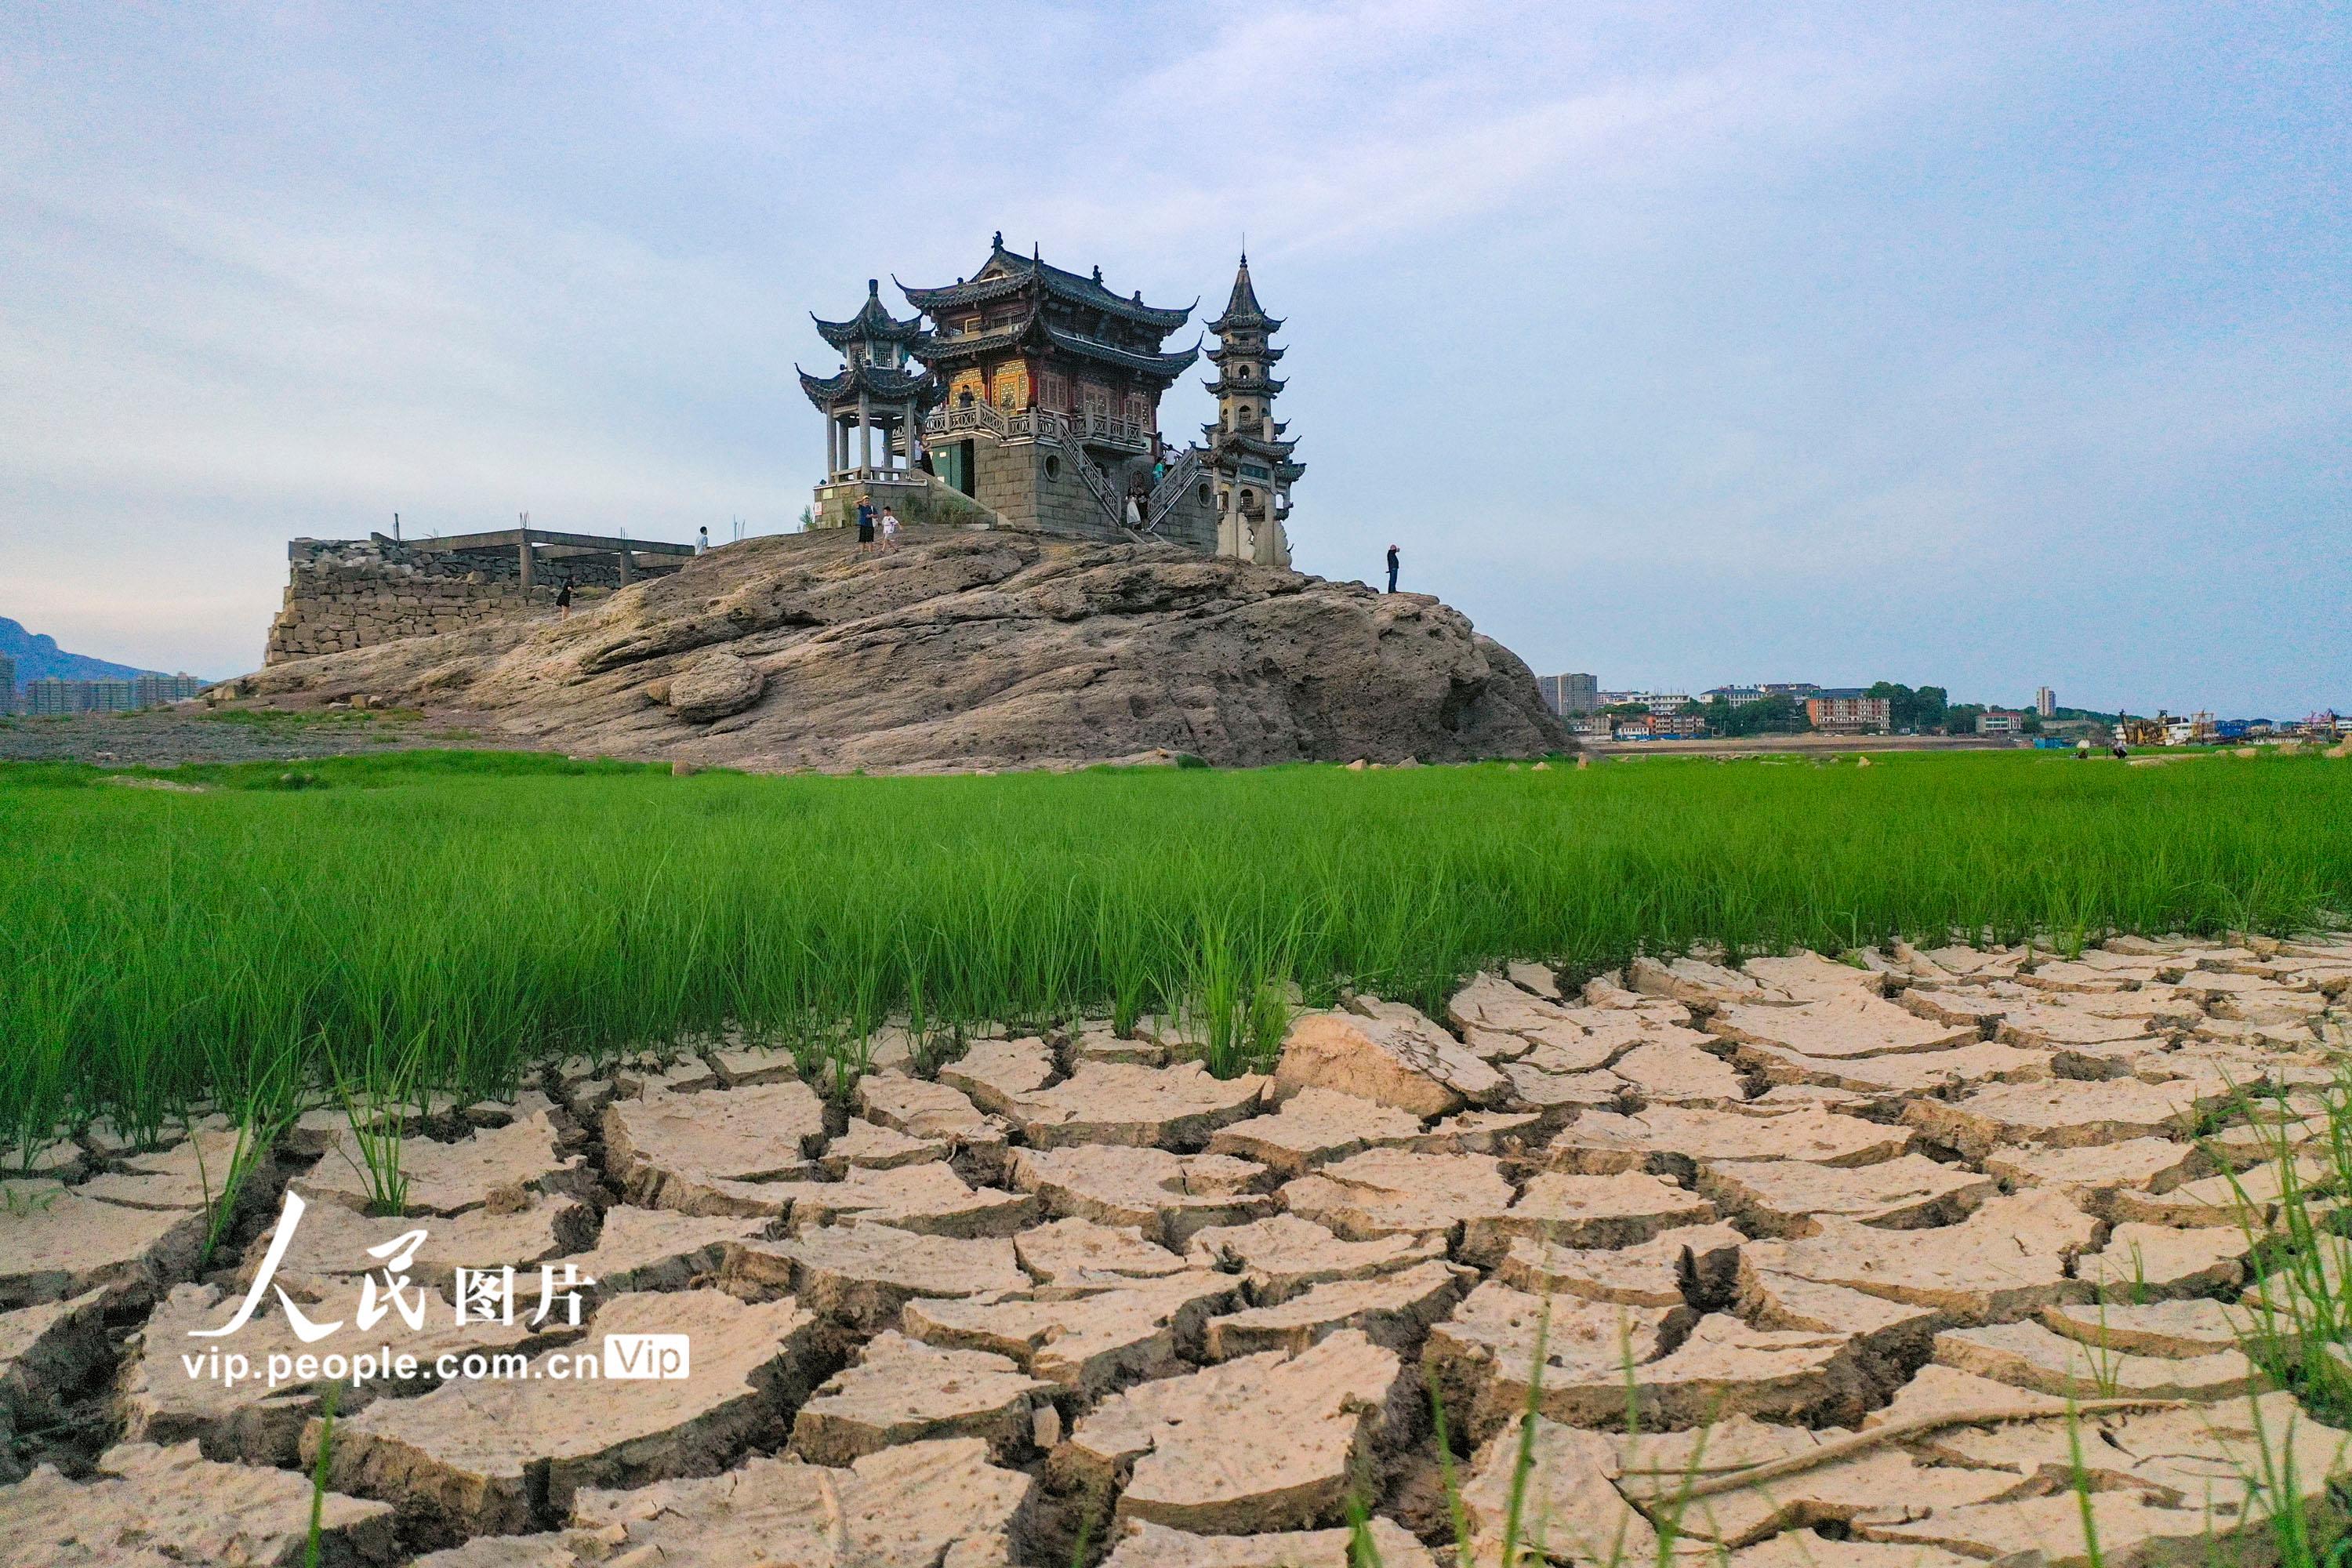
point(1248, 455)
point(1040, 403)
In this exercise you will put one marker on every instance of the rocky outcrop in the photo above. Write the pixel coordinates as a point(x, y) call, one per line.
point(963, 649)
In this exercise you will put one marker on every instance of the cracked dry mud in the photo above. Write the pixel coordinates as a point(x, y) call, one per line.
point(1873, 1225)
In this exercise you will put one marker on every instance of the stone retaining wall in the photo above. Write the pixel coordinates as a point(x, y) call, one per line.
point(348, 593)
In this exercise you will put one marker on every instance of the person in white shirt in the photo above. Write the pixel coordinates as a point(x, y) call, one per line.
point(889, 529)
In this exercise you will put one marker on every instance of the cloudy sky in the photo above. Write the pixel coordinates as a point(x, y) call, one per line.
point(1982, 345)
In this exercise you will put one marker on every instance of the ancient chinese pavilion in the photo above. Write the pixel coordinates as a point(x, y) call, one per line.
point(1038, 402)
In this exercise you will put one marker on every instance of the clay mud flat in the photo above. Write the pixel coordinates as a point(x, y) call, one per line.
point(1799, 1262)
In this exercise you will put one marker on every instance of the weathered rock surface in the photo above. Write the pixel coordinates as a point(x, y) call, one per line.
point(1282, 1255)
point(151, 1505)
point(1115, 1102)
point(1315, 1126)
point(479, 1455)
point(1086, 1342)
point(1167, 1196)
point(1265, 1443)
point(1396, 1192)
point(1675, 1137)
point(1789, 1197)
point(996, 649)
point(903, 1391)
point(713, 686)
point(503, 1162)
point(55, 1243)
point(1075, 1256)
point(654, 1249)
point(925, 1505)
point(861, 1274)
point(1149, 1545)
point(46, 1352)
point(1484, 1355)
point(1392, 1309)
point(1695, 1262)
point(1620, 1210)
point(698, 1153)
point(1400, 1059)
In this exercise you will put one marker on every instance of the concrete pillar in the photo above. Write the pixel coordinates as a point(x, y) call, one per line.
point(865, 431)
point(628, 567)
point(832, 447)
point(913, 433)
point(522, 557)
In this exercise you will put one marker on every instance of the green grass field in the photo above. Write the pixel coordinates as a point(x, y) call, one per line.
point(450, 917)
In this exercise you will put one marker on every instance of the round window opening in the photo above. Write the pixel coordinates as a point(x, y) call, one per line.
point(1053, 466)
point(1203, 493)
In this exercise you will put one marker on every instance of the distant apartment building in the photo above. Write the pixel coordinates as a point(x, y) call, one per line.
point(154, 690)
point(1849, 711)
point(1794, 690)
point(1569, 693)
point(1999, 721)
point(1733, 695)
point(2045, 702)
point(50, 694)
point(1677, 726)
point(7, 684)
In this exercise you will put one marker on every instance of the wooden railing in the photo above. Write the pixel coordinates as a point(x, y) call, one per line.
point(1033, 425)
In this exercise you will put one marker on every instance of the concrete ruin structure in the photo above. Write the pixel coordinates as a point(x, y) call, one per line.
point(1032, 402)
point(343, 594)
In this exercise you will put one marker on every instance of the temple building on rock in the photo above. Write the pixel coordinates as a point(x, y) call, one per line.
point(1031, 401)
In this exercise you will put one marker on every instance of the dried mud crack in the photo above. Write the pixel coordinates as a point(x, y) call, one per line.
point(1898, 1263)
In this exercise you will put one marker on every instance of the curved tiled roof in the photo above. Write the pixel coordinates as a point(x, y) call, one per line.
point(873, 323)
point(1004, 275)
point(882, 386)
point(1242, 309)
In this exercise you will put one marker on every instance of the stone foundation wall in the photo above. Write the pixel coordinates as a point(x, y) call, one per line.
point(348, 593)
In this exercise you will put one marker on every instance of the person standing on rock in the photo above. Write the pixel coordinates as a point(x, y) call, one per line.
point(889, 529)
point(563, 602)
point(1393, 568)
point(865, 528)
point(702, 540)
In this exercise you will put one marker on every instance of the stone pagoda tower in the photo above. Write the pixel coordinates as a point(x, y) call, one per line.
point(1249, 459)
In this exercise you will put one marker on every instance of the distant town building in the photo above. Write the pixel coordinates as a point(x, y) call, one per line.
point(2045, 702)
point(1677, 726)
point(1999, 721)
point(154, 690)
point(50, 694)
point(1569, 693)
point(1733, 695)
point(1794, 690)
point(1849, 711)
point(1655, 701)
point(7, 684)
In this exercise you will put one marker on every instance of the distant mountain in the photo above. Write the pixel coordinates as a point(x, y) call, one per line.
point(38, 655)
